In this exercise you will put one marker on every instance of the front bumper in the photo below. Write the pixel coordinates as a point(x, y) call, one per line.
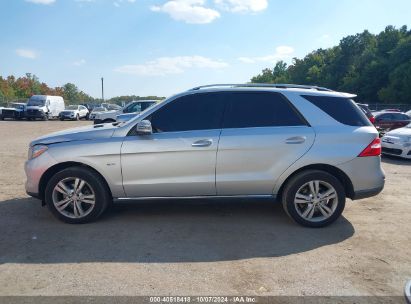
point(35, 169)
point(35, 114)
point(397, 149)
point(66, 116)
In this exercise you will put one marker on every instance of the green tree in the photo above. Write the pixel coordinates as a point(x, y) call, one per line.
point(376, 67)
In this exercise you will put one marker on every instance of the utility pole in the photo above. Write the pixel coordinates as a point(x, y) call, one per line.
point(102, 88)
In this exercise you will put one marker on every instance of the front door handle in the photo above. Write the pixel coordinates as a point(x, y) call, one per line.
point(202, 143)
point(295, 140)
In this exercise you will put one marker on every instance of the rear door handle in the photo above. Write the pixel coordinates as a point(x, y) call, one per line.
point(202, 143)
point(295, 140)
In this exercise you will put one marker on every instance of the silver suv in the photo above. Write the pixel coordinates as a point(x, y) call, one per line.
point(308, 147)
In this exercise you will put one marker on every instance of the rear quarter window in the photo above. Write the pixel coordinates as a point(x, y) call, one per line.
point(343, 110)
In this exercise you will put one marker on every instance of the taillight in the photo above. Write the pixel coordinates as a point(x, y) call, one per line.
point(372, 119)
point(373, 149)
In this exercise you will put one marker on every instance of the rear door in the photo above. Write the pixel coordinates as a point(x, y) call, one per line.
point(262, 135)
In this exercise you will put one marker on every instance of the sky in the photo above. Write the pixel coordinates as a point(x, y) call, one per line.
point(162, 47)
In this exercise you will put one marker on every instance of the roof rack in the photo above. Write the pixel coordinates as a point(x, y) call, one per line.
point(264, 85)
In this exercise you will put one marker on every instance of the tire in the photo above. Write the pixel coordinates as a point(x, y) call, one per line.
point(94, 185)
point(316, 207)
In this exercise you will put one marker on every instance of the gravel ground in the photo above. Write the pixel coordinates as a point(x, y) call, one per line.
point(198, 248)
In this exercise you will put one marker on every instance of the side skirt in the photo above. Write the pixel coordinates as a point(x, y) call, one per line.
point(205, 197)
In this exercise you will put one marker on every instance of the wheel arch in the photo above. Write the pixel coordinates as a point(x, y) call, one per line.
point(61, 166)
point(338, 173)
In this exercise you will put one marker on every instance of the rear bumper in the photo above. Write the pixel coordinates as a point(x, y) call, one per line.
point(367, 193)
point(366, 175)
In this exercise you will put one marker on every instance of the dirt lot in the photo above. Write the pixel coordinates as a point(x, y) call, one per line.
point(202, 248)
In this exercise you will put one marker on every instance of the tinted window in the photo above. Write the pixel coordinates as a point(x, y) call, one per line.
point(343, 110)
point(400, 116)
point(191, 112)
point(260, 109)
point(384, 117)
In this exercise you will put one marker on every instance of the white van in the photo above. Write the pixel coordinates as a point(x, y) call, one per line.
point(44, 107)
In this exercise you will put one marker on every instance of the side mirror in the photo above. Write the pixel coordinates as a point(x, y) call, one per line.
point(144, 128)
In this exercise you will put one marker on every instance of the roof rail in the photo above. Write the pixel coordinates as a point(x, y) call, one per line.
point(264, 85)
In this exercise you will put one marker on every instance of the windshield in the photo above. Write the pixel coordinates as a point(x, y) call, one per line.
point(33, 101)
point(71, 107)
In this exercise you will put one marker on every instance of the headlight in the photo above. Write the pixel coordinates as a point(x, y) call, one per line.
point(36, 151)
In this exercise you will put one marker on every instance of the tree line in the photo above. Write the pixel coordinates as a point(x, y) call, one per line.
point(20, 89)
point(375, 67)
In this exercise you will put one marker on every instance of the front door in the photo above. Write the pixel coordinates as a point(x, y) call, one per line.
point(179, 158)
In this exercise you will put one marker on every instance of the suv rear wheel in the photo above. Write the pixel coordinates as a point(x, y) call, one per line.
point(314, 198)
point(77, 195)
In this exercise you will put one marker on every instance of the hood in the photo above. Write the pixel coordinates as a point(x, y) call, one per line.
point(77, 134)
point(400, 132)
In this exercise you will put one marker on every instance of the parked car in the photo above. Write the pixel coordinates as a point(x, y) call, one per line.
point(391, 120)
point(111, 115)
point(44, 107)
point(74, 112)
point(307, 147)
point(138, 108)
point(408, 113)
point(16, 111)
point(398, 142)
point(367, 112)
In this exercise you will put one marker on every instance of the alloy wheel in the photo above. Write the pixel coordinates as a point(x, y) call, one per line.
point(73, 197)
point(316, 201)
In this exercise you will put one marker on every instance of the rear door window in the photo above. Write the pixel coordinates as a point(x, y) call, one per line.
point(260, 109)
point(343, 110)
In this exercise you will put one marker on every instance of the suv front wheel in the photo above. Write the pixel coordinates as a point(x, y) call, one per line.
point(314, 198)
point(77, 195)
